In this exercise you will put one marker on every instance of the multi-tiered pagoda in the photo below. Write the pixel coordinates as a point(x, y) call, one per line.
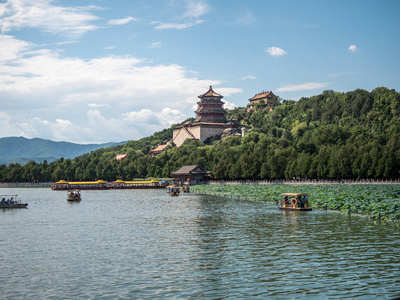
point(210, 120)
point(210, 108)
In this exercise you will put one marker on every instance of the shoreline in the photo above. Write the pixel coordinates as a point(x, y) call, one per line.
point(26, 184)
point(240, 182)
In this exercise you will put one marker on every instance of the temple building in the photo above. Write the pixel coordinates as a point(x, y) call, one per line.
point(263, 97)
point(191, 174)
point(210, 120)
point(158, 150)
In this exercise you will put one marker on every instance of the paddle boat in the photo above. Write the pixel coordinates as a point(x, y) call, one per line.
point(74, 195)
point(173, 190)
point(10, 201)
point(186, 189)
point(295, 201)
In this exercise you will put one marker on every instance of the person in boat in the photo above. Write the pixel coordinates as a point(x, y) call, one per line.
point(299, 201)
point(286, 202)
point(305, 201)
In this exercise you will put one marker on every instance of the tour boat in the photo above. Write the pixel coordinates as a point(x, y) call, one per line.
point(104, 185)
point(295, 201)
point(74, 195)
point(10, 201)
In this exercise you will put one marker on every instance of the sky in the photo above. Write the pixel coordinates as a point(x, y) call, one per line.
point(96, 71)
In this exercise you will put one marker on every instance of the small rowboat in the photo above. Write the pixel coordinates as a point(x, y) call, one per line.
point(10, 201)
point(295, 201)
point(173, 190)
point(74, 195)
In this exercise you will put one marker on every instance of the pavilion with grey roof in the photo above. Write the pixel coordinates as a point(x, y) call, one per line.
point(191, 174)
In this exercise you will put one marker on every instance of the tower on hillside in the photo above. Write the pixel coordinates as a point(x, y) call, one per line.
point(210, 120)
point(210, 108)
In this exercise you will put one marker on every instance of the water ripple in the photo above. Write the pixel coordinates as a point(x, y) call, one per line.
point(147, 245)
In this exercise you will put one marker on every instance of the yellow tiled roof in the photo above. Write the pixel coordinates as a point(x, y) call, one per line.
point(263, 95)
point(159, 148)
point(211, 93)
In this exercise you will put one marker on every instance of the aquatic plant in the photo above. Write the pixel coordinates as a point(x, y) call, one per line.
point(377, 201)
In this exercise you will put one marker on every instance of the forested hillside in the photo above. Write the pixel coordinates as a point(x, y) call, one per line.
point(331, 135)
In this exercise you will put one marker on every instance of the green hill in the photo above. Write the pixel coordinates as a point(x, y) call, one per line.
point(331, 135)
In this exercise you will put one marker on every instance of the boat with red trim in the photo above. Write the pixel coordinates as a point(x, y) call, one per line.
point(104, 185)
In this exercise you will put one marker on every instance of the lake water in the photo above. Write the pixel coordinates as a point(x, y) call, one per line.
point(144, 244)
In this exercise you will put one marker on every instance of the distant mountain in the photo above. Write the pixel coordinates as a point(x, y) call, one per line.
point(22, 150)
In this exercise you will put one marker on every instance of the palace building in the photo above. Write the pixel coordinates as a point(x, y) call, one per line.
point(210, 120)
point(263, 97)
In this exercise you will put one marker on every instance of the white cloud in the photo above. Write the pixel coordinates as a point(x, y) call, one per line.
point(98, 100)
point(66, 43)
point(248, 77)
point(97, 105)
point(43, 14)
point(275, 51)
point(303, 87)
point(177, 26)
point(122, 21)
point(229, 105)
point(126, 126)
point(195, 9)
point(190, 17)
point(353, 48)
point(155, 45)
point(12, 48)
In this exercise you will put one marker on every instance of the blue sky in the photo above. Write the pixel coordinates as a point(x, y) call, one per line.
point(93, 71)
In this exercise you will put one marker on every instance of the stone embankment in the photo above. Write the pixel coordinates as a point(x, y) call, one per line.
point(25, 184)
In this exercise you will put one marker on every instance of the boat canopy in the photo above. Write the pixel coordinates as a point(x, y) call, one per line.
point(294, 195)
point(87, 182)
point(137, 182)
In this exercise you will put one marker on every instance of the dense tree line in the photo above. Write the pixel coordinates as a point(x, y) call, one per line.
point(331, 135)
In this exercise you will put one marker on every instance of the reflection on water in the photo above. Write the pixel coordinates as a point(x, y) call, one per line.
point(146, 244)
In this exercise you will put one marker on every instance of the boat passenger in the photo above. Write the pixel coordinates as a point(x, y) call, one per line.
point(305, 201)
point(286, 201)
point(299, 201)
